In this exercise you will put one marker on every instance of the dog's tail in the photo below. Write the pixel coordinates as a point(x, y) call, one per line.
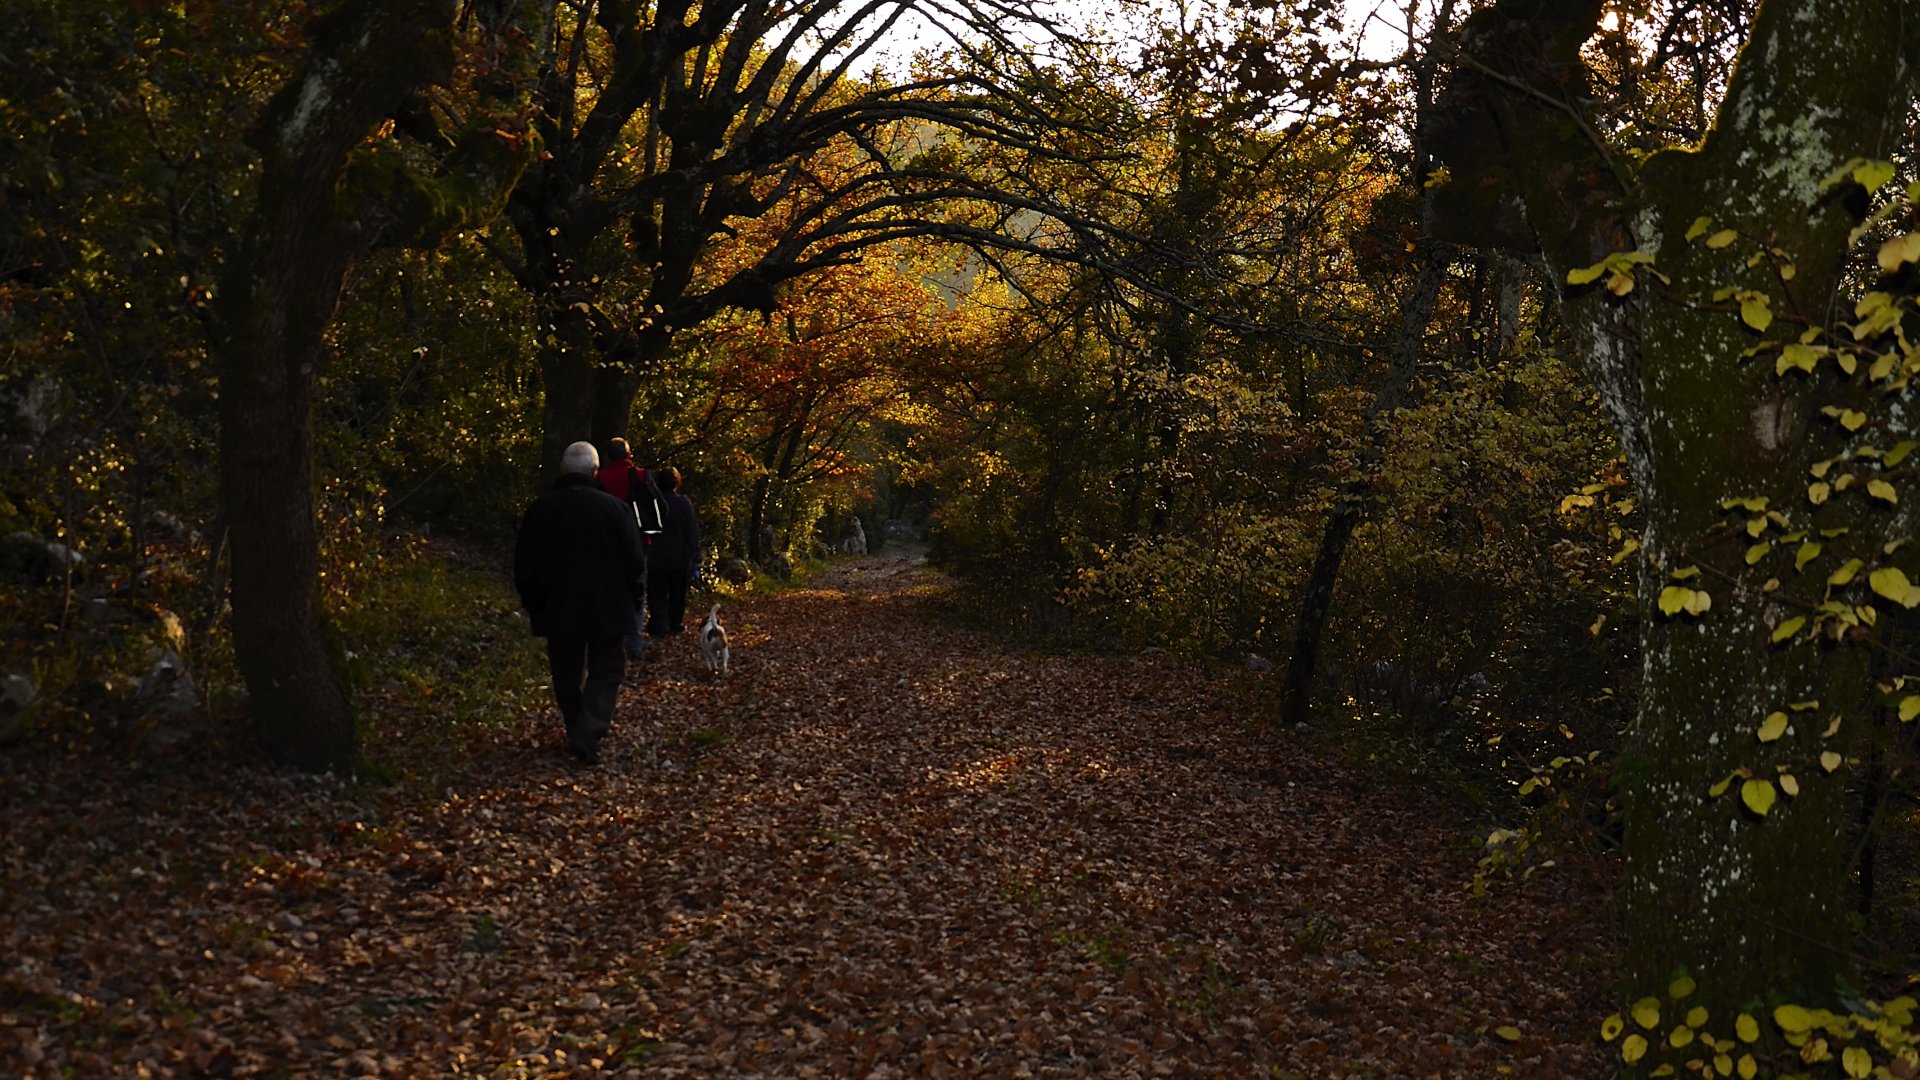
point(713, 613)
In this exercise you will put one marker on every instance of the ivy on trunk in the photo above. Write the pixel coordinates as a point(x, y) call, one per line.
point(1749, 904)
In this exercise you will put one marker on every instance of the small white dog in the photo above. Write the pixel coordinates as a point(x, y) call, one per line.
point(713, 643)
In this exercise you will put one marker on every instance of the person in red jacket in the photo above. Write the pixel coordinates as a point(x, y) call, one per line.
point(625, 481)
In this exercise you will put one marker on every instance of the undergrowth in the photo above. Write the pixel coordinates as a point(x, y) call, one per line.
point(442, 663)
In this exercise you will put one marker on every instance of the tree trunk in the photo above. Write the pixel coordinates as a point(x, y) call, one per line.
point(1316, 598)
point(613, 389)
point(278, 296)
point(566, 406)
point(1750, 904)
point(567, 376)
point(759, 550)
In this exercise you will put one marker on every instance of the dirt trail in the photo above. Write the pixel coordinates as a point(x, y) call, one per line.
point(883, 848)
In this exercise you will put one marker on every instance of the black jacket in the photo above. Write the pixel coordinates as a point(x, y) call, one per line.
point(678, 546)
point(577, 562)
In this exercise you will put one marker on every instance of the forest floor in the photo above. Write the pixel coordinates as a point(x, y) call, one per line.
point(885, 847)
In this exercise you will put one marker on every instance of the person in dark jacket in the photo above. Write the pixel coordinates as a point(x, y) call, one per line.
point(580, 572)
point(624, 480)
point(675, 555)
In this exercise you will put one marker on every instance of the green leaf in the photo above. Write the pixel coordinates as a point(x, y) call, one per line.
point(1758, 552)
point(1699, 227)
point(1872, 174)
point(1673, 599)
point(1899, 453)
point(1747, 1028)
point(1759, 796)
point(1633, 1048)
point(1646, 1012)
point(1891, 582)
point(1756, 311)
point(1857, 1062)
point(1686, 572)
point(1611, 1027)
point(1720, 788)
point(1883, 491)
point(1793, 1019)
point(1681, 988)
point(1844, 172)
point(1722, 239)
point(1788, 628)
point(1587, 274)
point(1846, 572)
point(1909, 707)
point(1797, 356)
point(1774, 726)
point(1899, 251)
point(1808, 552)
point(1819, 492)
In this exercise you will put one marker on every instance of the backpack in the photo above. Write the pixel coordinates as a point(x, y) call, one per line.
point(649, 506)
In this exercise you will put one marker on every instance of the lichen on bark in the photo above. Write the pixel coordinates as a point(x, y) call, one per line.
point(1749, 905)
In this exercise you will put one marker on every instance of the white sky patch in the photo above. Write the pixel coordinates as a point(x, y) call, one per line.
point(1376, 29)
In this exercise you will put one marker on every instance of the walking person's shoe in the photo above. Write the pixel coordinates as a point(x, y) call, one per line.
point(585, 755)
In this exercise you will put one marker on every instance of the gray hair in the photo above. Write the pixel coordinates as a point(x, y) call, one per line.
point(581, 457)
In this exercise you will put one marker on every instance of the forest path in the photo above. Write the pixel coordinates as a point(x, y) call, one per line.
point(884, 847)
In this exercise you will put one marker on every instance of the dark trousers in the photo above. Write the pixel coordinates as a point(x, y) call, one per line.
point(587, 707)
point(666, 600)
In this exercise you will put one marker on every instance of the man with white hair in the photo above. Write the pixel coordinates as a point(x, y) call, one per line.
point(581, 575)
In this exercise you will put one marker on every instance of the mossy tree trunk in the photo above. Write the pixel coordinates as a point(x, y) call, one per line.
point(1748, 904)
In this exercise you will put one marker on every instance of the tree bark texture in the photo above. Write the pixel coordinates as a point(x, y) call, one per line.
point(1750, 905)
point(277, 298)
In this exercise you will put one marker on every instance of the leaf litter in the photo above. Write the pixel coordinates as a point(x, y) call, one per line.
point(885, 847)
